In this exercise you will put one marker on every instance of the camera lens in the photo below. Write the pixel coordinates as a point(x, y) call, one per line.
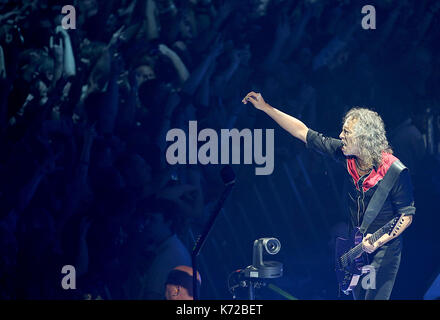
point(272, 245)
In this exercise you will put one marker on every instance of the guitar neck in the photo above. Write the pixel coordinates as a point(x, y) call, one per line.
point(377, 235)
point(357, 250)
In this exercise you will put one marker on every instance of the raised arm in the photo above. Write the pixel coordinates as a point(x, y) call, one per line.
point(178, 64)
point(68, 58)
point(292, 125)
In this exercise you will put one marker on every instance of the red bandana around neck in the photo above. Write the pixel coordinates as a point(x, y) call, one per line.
point(375, 176)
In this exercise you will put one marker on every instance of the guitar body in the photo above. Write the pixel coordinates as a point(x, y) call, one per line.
point(350, 258)
point(348, 272)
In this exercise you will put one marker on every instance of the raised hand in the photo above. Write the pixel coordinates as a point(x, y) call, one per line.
point(58, 49)
point(256, 99)
point(6, 16)
point(60, 29)
point(117, 38)
point(165, 50)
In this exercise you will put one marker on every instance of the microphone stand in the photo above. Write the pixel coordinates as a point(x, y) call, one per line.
point(228, 178)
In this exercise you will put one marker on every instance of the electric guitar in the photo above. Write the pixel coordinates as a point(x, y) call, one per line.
point(350, 258)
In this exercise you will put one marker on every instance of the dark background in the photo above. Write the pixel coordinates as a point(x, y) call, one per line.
point(77, 163)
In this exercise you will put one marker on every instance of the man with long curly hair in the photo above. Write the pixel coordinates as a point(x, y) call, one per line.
point(364, 150)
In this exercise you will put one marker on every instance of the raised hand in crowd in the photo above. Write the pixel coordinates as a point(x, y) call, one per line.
point(177, 62)
point(117, 38)
point(69, 64)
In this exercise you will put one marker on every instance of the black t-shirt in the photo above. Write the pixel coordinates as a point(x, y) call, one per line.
point(400, 199)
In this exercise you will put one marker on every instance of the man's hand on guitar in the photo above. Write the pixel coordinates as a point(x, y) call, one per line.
point(367, 246)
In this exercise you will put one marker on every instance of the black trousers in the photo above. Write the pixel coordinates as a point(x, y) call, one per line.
point(386, 262)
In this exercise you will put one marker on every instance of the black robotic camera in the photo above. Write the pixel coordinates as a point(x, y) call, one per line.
point(261, 269)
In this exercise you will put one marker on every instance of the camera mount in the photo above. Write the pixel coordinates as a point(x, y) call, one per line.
point(265, 269)
point(254, 276)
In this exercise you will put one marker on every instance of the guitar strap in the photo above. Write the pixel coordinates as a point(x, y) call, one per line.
point(380, 195)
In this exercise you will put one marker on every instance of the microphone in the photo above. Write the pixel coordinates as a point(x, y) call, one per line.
point(228, 178)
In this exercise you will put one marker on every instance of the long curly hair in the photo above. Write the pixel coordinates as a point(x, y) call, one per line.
point(369, 134)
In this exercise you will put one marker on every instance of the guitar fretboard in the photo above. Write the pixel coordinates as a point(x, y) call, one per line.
point(347, 258)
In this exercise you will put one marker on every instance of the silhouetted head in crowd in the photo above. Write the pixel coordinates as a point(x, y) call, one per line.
point(155, 221)
point(165, 70)
point(144, 73)
point(90, 51)
point(100, 73)
point(86, 10)
point(187, 24)
point(153, 94)
point(259, 8)
point(29, 63)
point(46, 68)
point(179, 284)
